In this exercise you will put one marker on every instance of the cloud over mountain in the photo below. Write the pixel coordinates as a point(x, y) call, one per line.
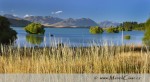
point(57, 12)
point(27, 15)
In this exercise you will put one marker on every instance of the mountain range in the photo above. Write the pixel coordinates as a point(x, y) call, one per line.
point(50, 21)
point(58, 22)
point(106, 24)
point(45, 20)
point(82, 22)
point(16, 21)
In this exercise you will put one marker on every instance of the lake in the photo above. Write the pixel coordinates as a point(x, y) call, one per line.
point(75, 37)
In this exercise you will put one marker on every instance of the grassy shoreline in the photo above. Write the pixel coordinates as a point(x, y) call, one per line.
point(63, 59)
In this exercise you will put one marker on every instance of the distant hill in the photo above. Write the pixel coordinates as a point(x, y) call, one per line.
point(105, 24)
point(45, 20)
point(50, 21)
point(11, 16)
point(16, 21)
point(83, 22)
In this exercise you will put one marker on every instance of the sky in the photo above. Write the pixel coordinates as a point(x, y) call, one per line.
point(98, 10)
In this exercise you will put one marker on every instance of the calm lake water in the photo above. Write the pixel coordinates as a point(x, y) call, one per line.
point(75, 37)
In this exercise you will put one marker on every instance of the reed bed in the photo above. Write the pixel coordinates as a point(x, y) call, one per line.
point(70, 60)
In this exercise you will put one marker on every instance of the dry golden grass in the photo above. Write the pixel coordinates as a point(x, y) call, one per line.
point(106, 59)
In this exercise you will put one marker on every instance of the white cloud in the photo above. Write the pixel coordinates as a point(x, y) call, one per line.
point(57, 12)
point(15, 15)
point(27, 15)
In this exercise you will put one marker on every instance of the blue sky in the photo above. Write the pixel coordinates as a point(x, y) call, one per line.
point(98, 10)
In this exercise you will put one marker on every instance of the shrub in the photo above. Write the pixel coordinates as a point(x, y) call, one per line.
point(120, 29)
point(127, 37)
point(7, 35)
point(96, 30)
point(35, 28)
point(146, 39)
point(112, 30)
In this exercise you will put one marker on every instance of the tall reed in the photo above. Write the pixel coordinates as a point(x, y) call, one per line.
point(64, 59)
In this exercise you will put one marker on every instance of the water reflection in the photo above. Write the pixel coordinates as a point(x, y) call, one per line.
point(34, 39)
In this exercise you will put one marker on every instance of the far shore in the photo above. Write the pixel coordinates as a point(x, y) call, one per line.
point(53, 27)
point(64, 27)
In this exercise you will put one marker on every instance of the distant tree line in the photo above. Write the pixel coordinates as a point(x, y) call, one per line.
point(129, 26)
point(126, 26)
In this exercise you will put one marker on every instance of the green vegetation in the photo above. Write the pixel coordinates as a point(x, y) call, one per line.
point(127, 37)
point(120, 28)
point(35, 28)
point(34, 39)
point(141, 26)
point(126, 26)
point(96, 30)
point(146, 39)
point(129, 26)
point(7, 35)
point(112, 30)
